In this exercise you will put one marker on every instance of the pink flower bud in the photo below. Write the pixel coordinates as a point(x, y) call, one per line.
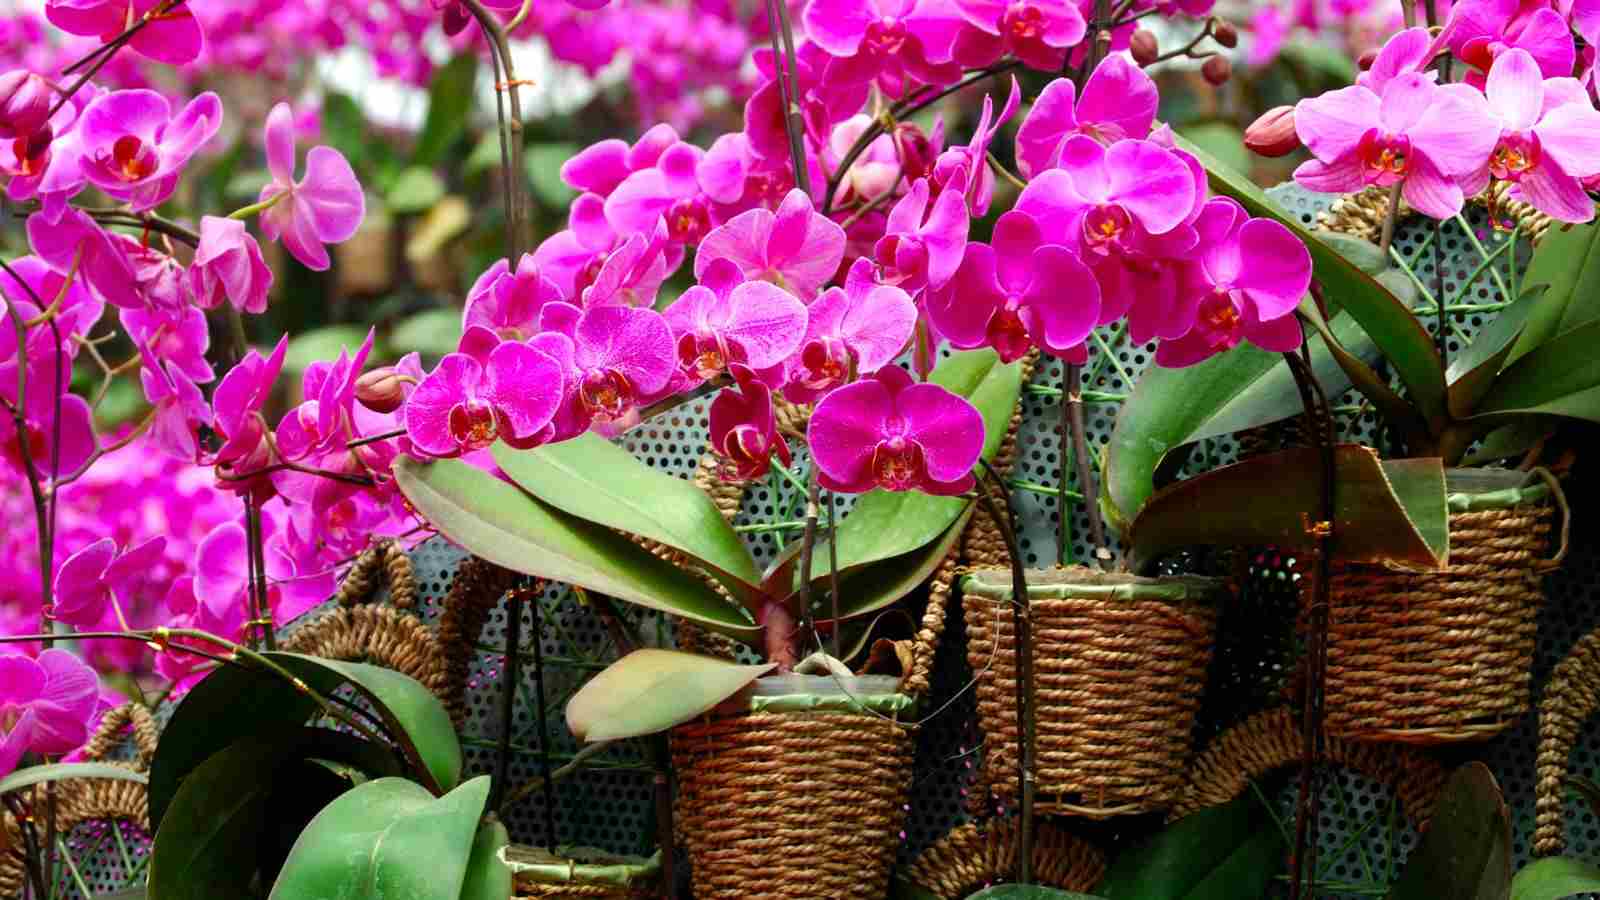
point(1273, 134)
point(1144, 47)
point(1217, 70)
point(917, 152)
point(1224, 33)
point(24, 103)
point(381, 390)
point(1366, 59)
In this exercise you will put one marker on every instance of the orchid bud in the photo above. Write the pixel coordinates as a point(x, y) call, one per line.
point(1223, 32)
point(1366, 59)
point(381, 390)
point(1144, 47)
point(1273, 134)
point(917, 152)
point(24, 103)
point(1217, 70)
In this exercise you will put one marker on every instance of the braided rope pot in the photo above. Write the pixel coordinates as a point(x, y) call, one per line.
point(1444, 656)
point(1119, 666)
point(974, 856)
point(1571, 697)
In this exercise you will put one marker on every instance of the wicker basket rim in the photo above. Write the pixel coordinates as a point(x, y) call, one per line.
point(1470, 490)
point(1081, 582)
point(825, 693)
point(578, 865)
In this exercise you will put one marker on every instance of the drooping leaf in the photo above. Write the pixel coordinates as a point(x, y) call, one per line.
point(1227, 852)
point(1383, 511)
point(414, 190)
point(503, 524)
point(651, 690)
point(1557, 378)
point(596, 480)
point(488, 876)
point(434, 332)
point(449, 102)
point(886, 524)
point(1466, 852)
point(1555, 878)
point(1474, 370)
point(24, 778)
point(385, 839)
point(876, 585)
point(1567, 265)
point(1399, 336)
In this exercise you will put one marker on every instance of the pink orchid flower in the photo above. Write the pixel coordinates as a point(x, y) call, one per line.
point(228, 266)
point(667, 190)
point(615, 358)
point(237, 404)
point(25, 101)
point(172, 36)
point(185, 609)
point(220, 567)
point(851, 332)
point(1245, 285)
point(1549, 138)
point(890, 432)
point(725, 320)
point(744, 429)
point(966, 169)
point(465, 403)
point(1416, 134)
point(1017, 293)
point(1038, 32)
point(178, 408)
point(1410, 51)
point(914, 254)
point(1108, 201)
point(884, 37)
point(1480, 31)
point(629, 268)
point(77, 313)
point(46, 704)
point(796, 248)
point(180, 338)
point(823, 99)
point(324, 207)
point(632, 273)
point(76, 238)
point(58, 430)
point(134, 148)
point(96, 580)
point(509, 303)
point(1118, 103)
point(736, 179)
point(601, 167)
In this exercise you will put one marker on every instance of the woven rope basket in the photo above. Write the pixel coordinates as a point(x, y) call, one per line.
point(1571, 698)
point(539, 875)
point(1444, 656)
point(974, 856)
point(1119, 665)
point(1271, 740)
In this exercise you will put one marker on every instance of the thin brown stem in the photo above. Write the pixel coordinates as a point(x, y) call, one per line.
point(1073, 391)
point(19, 415)
point(1391, 216)
point(103, 54)
point(510, 126)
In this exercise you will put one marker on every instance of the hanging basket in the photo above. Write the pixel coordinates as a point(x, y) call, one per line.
point(1444, 656)
point(1119, 665)
point(1571, 698)
point(581, 872)
point(976, 855)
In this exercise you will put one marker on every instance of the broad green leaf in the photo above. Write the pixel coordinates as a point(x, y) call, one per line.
point(209, 841)
point(886, 524)
point(415, 190)
point(1383, 511)
point(1474, 371)
point(383, 840)
point(596, 480)
point(488, 876)
point(25, 778)
point(651, 690)
point(879, 584)
point(1510, 440)
point(1567, 265)
point(1227, 852)
point(1028, 892)
point(1548, 378)
point(322, 344)
point(544, 171)
point(501, 523)
point(449, 102)
point(410, 711)
point(433, 332)
point(1222, 140)
point(1555, 878)
point(1466, 853)
point(1403, 341)
point(301, 789)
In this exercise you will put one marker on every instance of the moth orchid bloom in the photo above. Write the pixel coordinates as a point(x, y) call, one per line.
point(177, 337)
point(1106, 200)
point(464, 404)
point(744, 429)
point(509, 303)
point(236, 405)
point(1408, 52)
point(823, 98)
point(178, 408)
point(1038, 32)
point(98, 580)
point(1245, 284)
point(228, 266)
point(667, 190)
point(616, 359)
point(851, 332)
point(78, 312)
point(601, 167)
point(1481, 31)
point(324, 207)
point(966, 169)
point(883, 37)
point(796, 248)
point(1119, 102)
point(891, 432)
point(589, 251)
point(75, 239)
point(57, 432)
point(724, 321)
point(1549, 138)
point(171, 35)
point(1018, 293)
point(1416, 134)
point(46, 705)
point(222, 616)
point(25, 101)
point(134, 148)
point(913, 253)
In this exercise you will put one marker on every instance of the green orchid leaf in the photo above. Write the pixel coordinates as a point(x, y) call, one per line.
point(1227, 852)
point(596, 480)
point(210, 837)
point(385, 839)
point(1383, 511)
point(651, 690)
point(433, 332)
point(1560, 377)
point(1474, 371)
point(488, 876)
point(1386, 317)
point(503, 524)
point(1466, 852)
point(1566, 269)
point(449, 104)
point(26, 778)
point(877, 585)
point(1556, 878)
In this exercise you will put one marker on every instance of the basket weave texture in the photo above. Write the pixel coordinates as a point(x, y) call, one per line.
point(1117, 683)
point(1571, 698)
point(973, 856)
point(1444, 656)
